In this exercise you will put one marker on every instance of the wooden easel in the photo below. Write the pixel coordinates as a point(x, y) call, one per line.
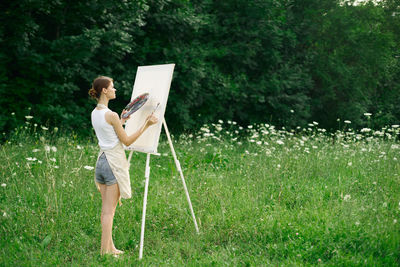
point(147, 176)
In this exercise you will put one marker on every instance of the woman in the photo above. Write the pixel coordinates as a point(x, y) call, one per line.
point(112, 167)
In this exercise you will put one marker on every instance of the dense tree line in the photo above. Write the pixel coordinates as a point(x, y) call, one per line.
point(283, 62)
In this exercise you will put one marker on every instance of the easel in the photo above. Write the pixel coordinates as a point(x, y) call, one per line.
point(147, 176)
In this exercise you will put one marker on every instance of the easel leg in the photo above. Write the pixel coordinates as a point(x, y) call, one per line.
point(178, 166)
point(147, 175)
point(129, 157)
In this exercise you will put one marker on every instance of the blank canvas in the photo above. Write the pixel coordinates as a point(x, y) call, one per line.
point(155, 80)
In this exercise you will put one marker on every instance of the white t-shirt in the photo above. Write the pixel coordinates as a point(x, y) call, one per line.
point(105, 132)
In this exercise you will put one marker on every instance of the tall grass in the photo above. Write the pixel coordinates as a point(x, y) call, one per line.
point(261, 196)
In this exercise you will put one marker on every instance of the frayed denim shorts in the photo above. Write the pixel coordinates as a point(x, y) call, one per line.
point(104, 174)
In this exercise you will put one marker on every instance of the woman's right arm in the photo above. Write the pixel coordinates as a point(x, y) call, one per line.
point(120, 131)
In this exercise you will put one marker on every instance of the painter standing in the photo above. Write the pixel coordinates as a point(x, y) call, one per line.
point(112, 168)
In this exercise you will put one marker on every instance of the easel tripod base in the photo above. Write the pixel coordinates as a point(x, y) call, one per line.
point(146, 188)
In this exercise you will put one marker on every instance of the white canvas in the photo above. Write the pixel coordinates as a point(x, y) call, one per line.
point(155, 80)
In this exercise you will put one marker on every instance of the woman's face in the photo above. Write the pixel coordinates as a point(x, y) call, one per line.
point(110, 91)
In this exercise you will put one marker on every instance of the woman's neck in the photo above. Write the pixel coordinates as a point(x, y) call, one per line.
point(103, 101)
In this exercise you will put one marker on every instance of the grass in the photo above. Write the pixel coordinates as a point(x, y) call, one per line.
point(261, 197)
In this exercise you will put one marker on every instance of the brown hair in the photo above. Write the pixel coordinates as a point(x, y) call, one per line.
point(98, 84)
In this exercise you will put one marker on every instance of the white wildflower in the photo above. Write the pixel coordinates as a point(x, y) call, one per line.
point(357, 223)
point(395, 126)
point(259, 142)
point(30, 159)
point(349, 164)
point(44, 128)
point(347, 121)
point(291, 111)
point(347, 198)
point(28, 117)
point(204, 129)
point(315, 123)
point(220, 121)
point(79, 147)
point(3, 185)
point(35, 150)
point(47, 148)
point(280, 142)
point(365, 130)
point(250, 126)
point(53, 159)
point(89, 168)
point(56, 167)
point(367, 114)
point(54, 149)
point(394, 221)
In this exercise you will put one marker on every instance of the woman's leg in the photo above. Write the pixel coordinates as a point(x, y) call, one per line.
point(110, 196)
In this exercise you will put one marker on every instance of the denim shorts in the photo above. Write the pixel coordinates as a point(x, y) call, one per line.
point(104, 174)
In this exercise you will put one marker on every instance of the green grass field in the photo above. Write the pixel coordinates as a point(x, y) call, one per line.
point(261, 196)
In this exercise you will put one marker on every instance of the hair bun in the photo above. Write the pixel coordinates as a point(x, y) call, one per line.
point(92, 93)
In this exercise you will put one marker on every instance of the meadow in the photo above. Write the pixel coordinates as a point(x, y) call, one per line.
point(262, 196)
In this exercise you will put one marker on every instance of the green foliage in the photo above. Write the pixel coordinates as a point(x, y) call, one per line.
point(352, 53)
point(285, 62)
point(54, 51)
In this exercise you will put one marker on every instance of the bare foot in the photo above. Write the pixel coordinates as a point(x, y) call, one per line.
point(115, 253)
point(118, 252)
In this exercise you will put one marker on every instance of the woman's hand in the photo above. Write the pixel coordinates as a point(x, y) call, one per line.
point(122, 119)
point(151, 120)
